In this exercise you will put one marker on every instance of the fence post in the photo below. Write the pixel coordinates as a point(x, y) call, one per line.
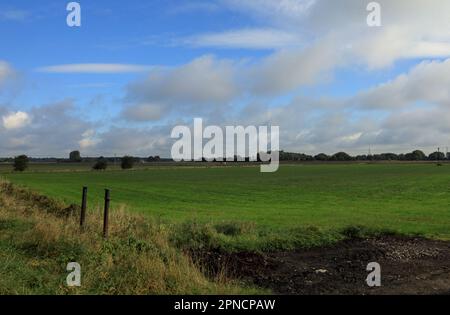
point(106, 215)
point(83, 208)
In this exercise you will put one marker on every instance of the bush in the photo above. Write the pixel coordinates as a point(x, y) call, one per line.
point(101, 164)
point(21, 163)
point(194, 236)
point(234, 228)
point(127, 162)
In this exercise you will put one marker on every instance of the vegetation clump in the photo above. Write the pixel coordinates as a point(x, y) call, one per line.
point(127, 162)
point(20, 163)
point(101, 164)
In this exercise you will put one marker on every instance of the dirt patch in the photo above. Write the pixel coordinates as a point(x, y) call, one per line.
point(409, 266)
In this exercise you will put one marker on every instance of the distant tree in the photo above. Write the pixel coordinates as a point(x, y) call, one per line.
point(154, 159)
point(390, 156)
point(401, 157)
point(420, 155)
point(127, 162)
point(21, 163)
point(75, 156)
point(289, 156)
point(378, 157)
point(361, 157)
point(100, 164)
point(321, 157)
point(416, 155)
point(341, 156)
point(436, 156)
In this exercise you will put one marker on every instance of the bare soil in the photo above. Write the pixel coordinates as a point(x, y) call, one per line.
point(409, 266)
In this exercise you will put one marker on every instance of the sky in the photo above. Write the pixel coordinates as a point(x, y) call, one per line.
point(133, 70)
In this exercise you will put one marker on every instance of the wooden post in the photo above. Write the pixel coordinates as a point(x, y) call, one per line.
point(83, 208)
point(106, 215)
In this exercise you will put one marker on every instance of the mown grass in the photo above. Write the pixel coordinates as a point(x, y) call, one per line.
point(40, 236)
point(405, 198)
point(143, 255)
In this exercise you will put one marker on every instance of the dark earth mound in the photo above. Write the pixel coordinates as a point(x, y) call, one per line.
point(409, 266)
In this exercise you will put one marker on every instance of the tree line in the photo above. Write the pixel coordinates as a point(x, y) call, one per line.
point(21, 162)
point(416, 155)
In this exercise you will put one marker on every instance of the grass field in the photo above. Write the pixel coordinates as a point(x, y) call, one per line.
point(36, 243)
point(406, 198)
point(165, 216)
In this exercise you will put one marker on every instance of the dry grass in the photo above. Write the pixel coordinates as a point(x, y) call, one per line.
point(39, 236)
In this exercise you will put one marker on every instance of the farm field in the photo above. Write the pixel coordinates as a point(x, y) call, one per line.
point(405, 198)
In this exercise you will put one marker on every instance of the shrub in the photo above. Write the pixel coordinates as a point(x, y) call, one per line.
point(127, 162)
point(192, 235)
point(234, 228)
point(101, 164)
point(20, 163)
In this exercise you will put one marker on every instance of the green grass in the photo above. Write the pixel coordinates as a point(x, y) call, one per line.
point(405, 198)
point(36, 244)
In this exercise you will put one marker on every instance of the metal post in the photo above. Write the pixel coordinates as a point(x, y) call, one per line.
point(106, 215)
point(83, 208)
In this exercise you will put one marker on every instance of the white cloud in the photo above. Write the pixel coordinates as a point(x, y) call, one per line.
point(54, 129)
point(273, 9)
point(288, 70)
point(411, 28)
point(95, 68)
point(14, 15)
point(136, 141)
point(194, 6)
point(6, 72)
point(314, 38)
point(246, 38)
point(16, 120)
point(88, 140)
point(203, 82)
point(427, 82)
point(144, 112)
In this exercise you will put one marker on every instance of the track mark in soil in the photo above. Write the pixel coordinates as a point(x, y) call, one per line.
point(409, 266)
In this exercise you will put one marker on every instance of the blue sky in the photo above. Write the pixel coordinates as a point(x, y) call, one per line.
point(135, 69)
